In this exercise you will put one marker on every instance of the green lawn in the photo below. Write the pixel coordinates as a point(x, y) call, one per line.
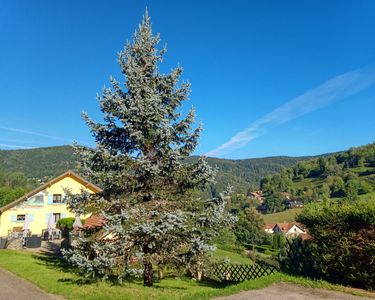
point(308, 182)
point(49, 275)
point(280, 217)
point(289, 215)
point(235, 258)
point(368, 196)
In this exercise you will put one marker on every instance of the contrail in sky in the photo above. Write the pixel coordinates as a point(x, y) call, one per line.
point(14, 146)
point(334, 89)
point(35, 133)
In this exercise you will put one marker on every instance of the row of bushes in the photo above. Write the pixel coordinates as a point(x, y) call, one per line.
point(266, 249)
point(343, 242)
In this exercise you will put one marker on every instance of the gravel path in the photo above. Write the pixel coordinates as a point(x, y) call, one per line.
point(15, 288)
point(287, 291)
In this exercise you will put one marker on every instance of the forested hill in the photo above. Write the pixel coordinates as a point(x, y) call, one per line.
point(347, 175)
point(245, 174)
point(45, 163)
point(39, 163)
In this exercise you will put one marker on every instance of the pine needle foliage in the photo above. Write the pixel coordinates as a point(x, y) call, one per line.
point(149, 199)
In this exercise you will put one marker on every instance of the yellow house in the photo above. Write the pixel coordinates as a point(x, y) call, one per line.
point(42, 202)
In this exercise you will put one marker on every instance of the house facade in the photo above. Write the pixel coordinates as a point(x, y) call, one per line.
point(258, 195)
point(288, 229)
point(43, 202)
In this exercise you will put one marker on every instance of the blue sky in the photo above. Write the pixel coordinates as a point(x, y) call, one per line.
point(287, 77)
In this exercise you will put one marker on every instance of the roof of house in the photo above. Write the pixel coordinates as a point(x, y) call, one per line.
point(269, 226)
point(305, 236)
point(285, 227)
point(287, 195)
point(94, 221)
point(68, 173)
point(256, 194)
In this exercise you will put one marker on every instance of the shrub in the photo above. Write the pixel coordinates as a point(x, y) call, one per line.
point(343, 243)
point(249, 228)
point(65, 223)
point(268, 260)
point(225, 237)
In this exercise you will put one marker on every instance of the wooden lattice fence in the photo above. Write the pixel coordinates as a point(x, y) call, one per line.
point(237, 273)
point(299, 258)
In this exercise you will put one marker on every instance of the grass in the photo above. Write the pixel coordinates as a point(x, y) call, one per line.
point(280, 217)
point(368, 196)
point(51, 276)
point(365, 173)
point(289, 215)
point(235, 258)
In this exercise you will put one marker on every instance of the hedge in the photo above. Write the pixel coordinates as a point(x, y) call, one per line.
point(343, 240)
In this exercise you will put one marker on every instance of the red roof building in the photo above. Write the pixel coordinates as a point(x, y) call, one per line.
point(94, 221)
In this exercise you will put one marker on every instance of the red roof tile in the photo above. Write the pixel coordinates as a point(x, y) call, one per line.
point(285, 226)
point(94, 221)
point(269, 226)
point(305, 236)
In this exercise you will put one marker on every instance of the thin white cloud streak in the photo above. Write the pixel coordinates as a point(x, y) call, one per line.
point(27, 142)
point(14, 146)
point(35, 133)
point(337, 88)
point(39, 134)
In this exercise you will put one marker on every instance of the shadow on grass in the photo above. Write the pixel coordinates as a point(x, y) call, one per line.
point(215, 284)
point(79, 281)
point(56, 262)
point(367, 172)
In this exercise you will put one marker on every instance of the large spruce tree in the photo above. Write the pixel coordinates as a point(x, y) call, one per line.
point(149, 200)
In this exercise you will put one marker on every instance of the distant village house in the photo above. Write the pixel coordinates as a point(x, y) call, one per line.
point(288, 229)
point(257, 195)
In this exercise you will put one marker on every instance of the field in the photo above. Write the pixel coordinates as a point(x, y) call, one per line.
point(369, 196)
point(287, 216)
point(235, 258)
point(50, 275)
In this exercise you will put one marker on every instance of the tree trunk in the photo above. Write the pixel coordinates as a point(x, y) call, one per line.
point(148, 274)
point(199, 270)
point(161, 272)
point(199, 275)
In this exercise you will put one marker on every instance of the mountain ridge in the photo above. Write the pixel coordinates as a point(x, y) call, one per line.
point(46, 162)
